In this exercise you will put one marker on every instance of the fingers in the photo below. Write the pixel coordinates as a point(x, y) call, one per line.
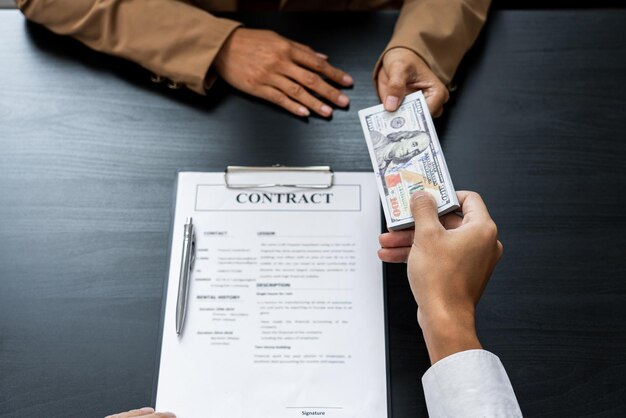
point(394, 255)
point(436, 97)
point(146, 412)
point(476, 215)
point(398, 75)
point(314, 83)
point(395, 239)
point(309, 49)
point(396, 246)
point(272, 94)
point(133, 413)
point(139, 412)
point(318, 64)
point(451, 221)
point(301, 95)
point(472, 206)
point(424, 210)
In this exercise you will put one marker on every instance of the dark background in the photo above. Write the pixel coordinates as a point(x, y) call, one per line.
point(89, 148)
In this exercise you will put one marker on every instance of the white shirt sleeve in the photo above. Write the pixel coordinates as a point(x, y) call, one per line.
point(470, 383)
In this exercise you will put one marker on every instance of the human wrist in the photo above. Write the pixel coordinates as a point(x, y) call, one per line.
point(447, 331)
point(225, 49)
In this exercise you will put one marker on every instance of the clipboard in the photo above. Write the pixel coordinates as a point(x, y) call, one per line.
point(325, 172)
point(325, 179)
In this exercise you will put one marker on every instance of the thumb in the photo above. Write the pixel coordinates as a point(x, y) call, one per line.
point(424, 210)
point(436, 97)
point(396, 87)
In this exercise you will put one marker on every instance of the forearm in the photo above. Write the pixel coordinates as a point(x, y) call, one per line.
point(170, 38)
point(439, 31)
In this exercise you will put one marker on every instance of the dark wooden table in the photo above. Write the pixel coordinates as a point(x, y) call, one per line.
point(88, 154)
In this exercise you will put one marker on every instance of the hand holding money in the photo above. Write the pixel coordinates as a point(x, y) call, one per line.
point(450, 260)
point(403, 72)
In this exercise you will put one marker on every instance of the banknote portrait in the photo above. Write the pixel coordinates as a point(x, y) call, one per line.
point(398, 147)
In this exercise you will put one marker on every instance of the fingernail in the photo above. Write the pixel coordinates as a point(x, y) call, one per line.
point(324, 56)
point(418, 194)
point(147, 409)
point(391, 102)
point(347, 79)
point(343, 100)
point(303, 111)
point(326, 110)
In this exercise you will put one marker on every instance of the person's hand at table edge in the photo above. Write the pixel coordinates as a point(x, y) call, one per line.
point(450, 260)
point(403, 72)
point(145, 412)
point(286, 73)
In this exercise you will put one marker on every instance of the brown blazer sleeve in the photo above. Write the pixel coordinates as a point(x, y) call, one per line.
point(439, 31)
point(173, 39)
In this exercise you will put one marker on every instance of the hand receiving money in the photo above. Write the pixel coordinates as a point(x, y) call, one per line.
point(286, 73)
point(450, 260)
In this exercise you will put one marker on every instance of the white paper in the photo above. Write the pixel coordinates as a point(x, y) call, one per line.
point(286, 314)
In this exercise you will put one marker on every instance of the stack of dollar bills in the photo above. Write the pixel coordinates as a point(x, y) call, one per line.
point(407, 157)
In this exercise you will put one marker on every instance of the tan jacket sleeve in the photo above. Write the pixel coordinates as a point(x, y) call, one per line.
point(173, 39)
point(439, 31)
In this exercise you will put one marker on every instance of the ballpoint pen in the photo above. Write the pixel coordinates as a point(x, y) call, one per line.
point(186, 266)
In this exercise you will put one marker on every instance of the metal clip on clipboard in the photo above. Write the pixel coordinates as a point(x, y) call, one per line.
point(264, 177)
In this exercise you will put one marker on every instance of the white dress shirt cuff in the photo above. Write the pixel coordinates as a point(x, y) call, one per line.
point(470, 383)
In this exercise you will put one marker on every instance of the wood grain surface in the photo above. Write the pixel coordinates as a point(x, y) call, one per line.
point(89, 148)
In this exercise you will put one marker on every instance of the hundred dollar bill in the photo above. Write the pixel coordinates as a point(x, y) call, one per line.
point(406, 155)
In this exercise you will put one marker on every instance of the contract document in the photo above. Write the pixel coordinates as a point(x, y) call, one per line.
point(285, 313)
